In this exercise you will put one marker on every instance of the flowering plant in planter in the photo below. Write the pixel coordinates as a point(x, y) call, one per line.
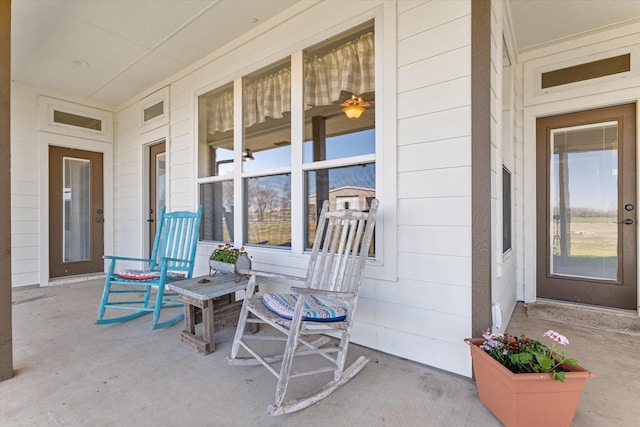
point(226, 253)
point(526, 355)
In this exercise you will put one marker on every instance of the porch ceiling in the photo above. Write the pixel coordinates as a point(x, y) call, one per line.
point(107, 51)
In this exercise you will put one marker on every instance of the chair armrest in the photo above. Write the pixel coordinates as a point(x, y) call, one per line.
point(321, 292)
point(124, 258)
point(164, 259)
point(274, 275)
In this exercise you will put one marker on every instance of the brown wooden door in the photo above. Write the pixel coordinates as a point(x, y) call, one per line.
point(586, 207)
point(157, 187)
point(76, 216)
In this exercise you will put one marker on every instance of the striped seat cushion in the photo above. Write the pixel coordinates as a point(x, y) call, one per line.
point(314, 309)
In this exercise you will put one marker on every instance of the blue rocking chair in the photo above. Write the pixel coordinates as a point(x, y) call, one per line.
point(172, 258)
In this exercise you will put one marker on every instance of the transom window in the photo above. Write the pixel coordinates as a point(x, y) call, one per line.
point(249, 171)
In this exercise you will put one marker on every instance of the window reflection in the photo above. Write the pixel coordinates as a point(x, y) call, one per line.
point(217, 216)
point(584, 201)
point(350, 187)
point(268, 201)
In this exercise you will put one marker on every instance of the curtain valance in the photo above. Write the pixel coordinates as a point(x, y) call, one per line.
point(350, 68)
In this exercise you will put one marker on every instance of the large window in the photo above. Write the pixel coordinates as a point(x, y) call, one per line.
point(255, 161)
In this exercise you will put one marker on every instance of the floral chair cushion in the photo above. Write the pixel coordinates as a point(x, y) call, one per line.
point(139, 274)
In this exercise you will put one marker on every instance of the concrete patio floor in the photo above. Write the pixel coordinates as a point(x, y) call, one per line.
point(69, 372)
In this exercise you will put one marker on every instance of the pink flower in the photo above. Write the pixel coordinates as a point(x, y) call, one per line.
point(560, 339)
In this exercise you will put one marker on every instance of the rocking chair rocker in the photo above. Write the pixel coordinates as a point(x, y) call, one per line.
point(172, 258)
point(324, 306)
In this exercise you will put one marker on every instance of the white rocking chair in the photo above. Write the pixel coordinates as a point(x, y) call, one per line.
point(324, 306)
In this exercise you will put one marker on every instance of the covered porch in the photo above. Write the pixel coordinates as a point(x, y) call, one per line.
point(71, 372)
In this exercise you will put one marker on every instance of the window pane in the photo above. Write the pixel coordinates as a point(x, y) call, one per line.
point(215, 128)
point(339, 77)
point(268, 213)
point(506, 209)
point(77, 210)
point(583, 192)
point(267, 118)
point(154, 111)
point(216, 199)
point(350, 187)
point(76, 120)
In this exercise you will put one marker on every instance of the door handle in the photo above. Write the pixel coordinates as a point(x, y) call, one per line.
point(150, 220)
point(627, 221)
point(100, 220)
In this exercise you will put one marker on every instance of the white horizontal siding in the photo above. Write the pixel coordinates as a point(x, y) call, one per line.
point(437, 126)
point(429, 312)
point(129, 218)
point(25, 188)
point(442, 182)
point(448, 95)
point(435, 240)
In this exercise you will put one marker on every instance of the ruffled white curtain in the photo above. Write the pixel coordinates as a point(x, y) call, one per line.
point(349, 68)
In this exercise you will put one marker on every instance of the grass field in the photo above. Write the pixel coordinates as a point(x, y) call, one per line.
point(594, 237)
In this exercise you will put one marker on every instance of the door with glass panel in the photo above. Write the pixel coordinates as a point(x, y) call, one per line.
point(157, 187)
point(76, 212)
point(586, 207)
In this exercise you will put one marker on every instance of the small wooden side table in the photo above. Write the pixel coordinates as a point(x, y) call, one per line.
point(209, 300)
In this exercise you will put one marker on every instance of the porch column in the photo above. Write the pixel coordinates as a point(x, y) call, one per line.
point(6, 343)
point(480, 166)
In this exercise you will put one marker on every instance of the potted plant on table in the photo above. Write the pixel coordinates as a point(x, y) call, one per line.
point(229, 259)
point(525, 383)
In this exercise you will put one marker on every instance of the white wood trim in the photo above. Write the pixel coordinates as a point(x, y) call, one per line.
point(47, 106)
point(161, 95)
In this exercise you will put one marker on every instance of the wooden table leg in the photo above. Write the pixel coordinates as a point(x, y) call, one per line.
point(207, 324)
point(190, 318)
point(195, 309)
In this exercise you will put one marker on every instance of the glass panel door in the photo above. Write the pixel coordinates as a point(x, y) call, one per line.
point(586, 207)
point(76, 212)
point(584, 201)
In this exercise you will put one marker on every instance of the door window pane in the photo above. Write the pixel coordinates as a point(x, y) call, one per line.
point(77, 210)
point(268, 216)
point(215, 147)
point(584, 201)
point(160, 180)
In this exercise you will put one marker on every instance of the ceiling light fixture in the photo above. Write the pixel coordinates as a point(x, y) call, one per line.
point(354, 107)
point(80, 63)
point(248, 156)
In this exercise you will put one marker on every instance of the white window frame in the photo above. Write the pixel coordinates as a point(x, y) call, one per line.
point(381, 267)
